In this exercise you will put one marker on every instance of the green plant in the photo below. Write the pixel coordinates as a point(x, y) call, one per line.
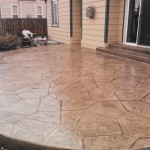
point(8, 42)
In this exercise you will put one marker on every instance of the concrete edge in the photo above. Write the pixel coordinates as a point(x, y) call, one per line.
point(14, 144)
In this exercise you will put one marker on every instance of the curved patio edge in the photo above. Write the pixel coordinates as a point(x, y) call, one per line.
point(14, 144)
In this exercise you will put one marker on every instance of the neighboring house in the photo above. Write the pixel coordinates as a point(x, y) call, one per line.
point(22, 9)
point(115, 21)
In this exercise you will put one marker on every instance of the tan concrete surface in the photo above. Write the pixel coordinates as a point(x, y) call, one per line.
point(71, 97)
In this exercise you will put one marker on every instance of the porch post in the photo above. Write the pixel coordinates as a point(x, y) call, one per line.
point(106, 21)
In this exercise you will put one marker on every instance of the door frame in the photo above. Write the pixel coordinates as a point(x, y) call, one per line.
point(126, 19)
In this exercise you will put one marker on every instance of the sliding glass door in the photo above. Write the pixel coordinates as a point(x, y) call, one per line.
point(137, 22)
point(144, 27)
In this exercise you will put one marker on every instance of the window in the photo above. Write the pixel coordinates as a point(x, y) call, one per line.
point(54, 11)
point(39, 11)
point(14, 11)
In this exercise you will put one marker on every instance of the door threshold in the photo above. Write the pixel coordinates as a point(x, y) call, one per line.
point(137, 46)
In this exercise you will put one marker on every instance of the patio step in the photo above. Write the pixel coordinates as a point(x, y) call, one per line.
point(136, 49)
point(129, 54)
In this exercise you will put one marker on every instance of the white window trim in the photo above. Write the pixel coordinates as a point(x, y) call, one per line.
point(1, 12)
point(55, 25)
point(1, 8)
point(12, 10)
point(20, 5)
point(37, 10)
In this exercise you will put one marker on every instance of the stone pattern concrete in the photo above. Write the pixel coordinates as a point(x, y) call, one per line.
point(71, 97)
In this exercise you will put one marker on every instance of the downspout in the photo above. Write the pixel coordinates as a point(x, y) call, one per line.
point(123, 21)
point(71, 21)
point(46, 18)
point(106, 21)
point(81, 19)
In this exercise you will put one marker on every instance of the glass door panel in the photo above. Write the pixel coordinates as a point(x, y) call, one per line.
point(133, 21)
point(144, 29)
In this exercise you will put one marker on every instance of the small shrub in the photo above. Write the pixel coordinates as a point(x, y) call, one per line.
point(2, 148)
point(8, 42)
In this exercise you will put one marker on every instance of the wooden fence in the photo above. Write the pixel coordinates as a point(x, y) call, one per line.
point(15, 26)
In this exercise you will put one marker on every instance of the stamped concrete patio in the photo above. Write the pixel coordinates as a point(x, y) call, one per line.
point(71, 97)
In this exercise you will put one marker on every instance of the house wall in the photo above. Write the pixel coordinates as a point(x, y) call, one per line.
point(62, 32)
point(6, 8)
point(93, 29)
point(28, 8)
point(116, 21)
point(24, 8)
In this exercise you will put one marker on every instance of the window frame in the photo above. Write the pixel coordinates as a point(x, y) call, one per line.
point(0, 12)
point(37, 11)
point(12, 13)
point(55, 12)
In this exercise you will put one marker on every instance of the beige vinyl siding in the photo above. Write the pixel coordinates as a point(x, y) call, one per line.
point(6, 10)
point(31, 9)
point(62, 32)
point(93, 29)
point(116, 21)
point(24, 8)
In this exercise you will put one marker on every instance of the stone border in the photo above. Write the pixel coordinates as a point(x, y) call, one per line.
point(13, 144)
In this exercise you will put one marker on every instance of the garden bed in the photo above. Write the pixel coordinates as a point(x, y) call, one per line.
point(2, 148)
point(8, 42)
